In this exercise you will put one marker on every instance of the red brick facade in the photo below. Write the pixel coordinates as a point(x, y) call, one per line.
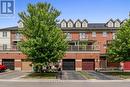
point(91, 52)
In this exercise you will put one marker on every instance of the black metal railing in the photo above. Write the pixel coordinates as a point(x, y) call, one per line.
point(83, 48)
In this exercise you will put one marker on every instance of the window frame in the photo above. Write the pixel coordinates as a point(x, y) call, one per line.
point(4, 34)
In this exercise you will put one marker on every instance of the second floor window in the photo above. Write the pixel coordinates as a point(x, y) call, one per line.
point(4, 46)
point(93, 34)
point(4, 34)
point(68, 35)
point(82, 35)
point(104, 34)
point(113, 35)
point(17, 35)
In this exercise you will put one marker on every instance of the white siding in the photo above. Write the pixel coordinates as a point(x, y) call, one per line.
point(78, 24)
point(117, 24)
point(70, 24)
point(84, 24)
point(5, 40)
point(110, 24)
point(63, 24)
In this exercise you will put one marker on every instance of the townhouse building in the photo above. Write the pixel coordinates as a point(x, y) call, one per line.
point(86, 51)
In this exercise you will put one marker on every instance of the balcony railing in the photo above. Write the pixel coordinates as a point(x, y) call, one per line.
point(16, 38)
point(83, 48)
point(12, 48)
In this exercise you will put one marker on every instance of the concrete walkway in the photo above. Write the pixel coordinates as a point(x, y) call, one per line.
point(101, 76)
point(71, 75)
point(11, 75)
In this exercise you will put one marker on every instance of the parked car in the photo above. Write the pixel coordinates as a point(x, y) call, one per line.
point(3, 68)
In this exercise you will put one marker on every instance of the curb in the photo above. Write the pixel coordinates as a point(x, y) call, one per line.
point(53, 80)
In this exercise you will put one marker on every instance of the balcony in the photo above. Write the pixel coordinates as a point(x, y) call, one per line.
point(84, 39)
point(13, 48)
point(16, 38)
point(83, 48)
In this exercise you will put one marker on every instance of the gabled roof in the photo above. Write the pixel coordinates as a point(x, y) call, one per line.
point(9, 28)
point(77, 21)
point(63, 20)
point(124, 21)
point(110, 20)
point(70, 21)
point(85, 21)
point(118, 20)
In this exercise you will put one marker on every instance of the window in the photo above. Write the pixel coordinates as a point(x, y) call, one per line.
point(4, 46)
point(84, 23)
point(68, 35)
point(82, 36)
point(70, 24)
point(105, 46)
point(63, 24)
point(17, 35)
point(110, 24)
point(104, 34)
point(20, 25)
point(117, 24)
point(78, 24)
point(4, 34)
point(113, 35)
point(93, 34)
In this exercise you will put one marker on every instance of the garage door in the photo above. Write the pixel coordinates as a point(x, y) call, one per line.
point(127, 65)
point(88, 64)
point(68, 64)
point(9, 63)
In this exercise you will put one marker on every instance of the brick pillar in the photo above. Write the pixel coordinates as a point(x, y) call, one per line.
point(78, 64)
point(60, 64)
point(1, 61)
point(122, 65)
point(97, 64)
point(18, 64)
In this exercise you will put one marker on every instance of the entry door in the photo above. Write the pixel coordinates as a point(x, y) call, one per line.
point(88, 64)
point(9, 63)
point(68, 64)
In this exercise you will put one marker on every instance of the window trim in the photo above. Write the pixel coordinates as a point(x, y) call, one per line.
point(94, 34)
point(104, 34)
point(4, 34)
point(4, 46)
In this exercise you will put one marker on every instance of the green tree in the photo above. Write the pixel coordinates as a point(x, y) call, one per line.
point(44, 43)
point(119, 49)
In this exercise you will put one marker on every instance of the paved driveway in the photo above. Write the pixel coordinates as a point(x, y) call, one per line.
point(12, 75)
point(101, 76)
point(71, 75)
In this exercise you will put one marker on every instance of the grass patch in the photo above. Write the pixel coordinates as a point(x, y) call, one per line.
point(49, 75)
point(124, 75)
point(86, 75)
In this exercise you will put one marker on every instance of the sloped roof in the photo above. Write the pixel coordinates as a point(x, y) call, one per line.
point(10, 28)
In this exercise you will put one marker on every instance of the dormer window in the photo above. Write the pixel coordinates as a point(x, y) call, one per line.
point(63, 23)
point(84, 23)
point(70, 23)
point(20, 24)
point(110, 23)
point(78, 23)
point(117, 23)
point(124, 21)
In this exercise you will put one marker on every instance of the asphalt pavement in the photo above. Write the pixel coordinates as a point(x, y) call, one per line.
point(71, 75)
point(64, 84)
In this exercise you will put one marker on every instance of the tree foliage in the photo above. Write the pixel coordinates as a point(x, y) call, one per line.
point(119, 49)
point(44, 43)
